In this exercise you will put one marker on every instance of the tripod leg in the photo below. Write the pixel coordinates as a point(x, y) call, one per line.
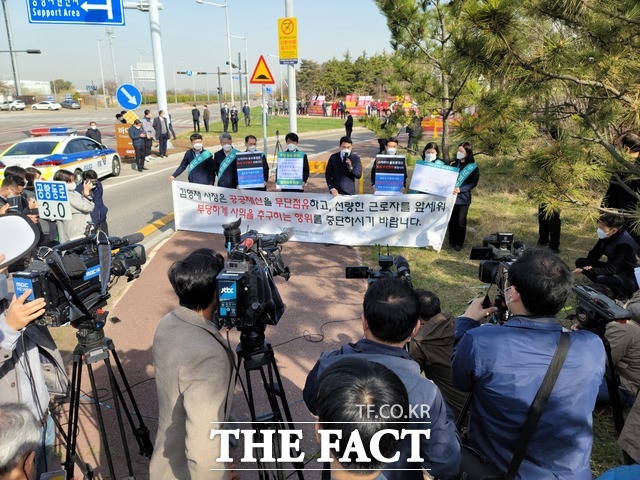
point(103, 431)
point(86, 470)
point(141, 432)
point(74, 405)
point(116, 393)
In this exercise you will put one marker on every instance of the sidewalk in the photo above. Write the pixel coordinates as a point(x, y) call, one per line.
point(323, 313)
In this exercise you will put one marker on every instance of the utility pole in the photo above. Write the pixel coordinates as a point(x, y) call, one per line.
point(293, 118)
point(240, 79)
point(12, 53)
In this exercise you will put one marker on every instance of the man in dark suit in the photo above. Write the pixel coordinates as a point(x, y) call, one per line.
point(161, 127)
point(224, 116)
point(195, 115)
point(348, 125)
point(343, 168)
point(137, 136)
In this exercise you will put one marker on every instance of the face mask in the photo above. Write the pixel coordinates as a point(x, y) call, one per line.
point(601, 234)
point(93, 127)
point(461, 156)
point(251, 148)
point(391, 151)
point(430, 157)
point(292, 147)
point(227, 147)
point(197, 146)
point(345, 152)
point(71, 186)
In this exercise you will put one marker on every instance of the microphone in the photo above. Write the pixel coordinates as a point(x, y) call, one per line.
point(283, 237)
point(117, 242)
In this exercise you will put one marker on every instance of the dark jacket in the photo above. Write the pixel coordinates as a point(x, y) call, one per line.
point(620, 252)
point(157, 126)
point(338, 175)
point(195, 114)
point(442, 451)
point(373, 173)
point(224, 114)
point(204, 174)
point(134, 135)
point(464, 197)
point(618, 198)
point(229, 178)
point(99, 212)
point(349, 122)
point(94, 134)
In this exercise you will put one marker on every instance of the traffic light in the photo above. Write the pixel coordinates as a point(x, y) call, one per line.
point(181, 73)
point(219, 90)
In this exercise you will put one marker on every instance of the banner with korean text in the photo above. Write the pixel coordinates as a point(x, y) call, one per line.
point(415, 220)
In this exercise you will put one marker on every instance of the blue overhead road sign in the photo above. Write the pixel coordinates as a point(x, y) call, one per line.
point(83, 12)
point(128, 96)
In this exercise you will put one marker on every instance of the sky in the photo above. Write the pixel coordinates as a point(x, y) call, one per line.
point(193, 38)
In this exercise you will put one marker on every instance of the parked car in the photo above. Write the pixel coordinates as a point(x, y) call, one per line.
point(46, 105)
point(70, 104)
point(50, 153)
point(12, 105)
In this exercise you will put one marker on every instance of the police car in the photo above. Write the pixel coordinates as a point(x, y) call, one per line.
point(53, 149)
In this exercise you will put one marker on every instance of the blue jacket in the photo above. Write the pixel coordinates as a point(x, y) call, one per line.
point(204, 174)
point(504, 367)
point(464, 197)
point(134, 135)
point(99, 212)
point(442, 451)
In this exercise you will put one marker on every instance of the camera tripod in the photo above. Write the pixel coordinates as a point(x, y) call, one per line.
point(256, 354)
point(277, 148)
point(93, 347)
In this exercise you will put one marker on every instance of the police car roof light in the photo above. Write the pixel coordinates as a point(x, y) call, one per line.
point(42, 131)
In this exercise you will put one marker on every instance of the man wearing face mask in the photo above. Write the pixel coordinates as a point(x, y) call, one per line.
point(391, 148)
point(292, 146)
point(225, 162)
point(614, 242)
point(93, 132)
point(251, 143)
point(224, 116)
point(343, 168)
point(503, 367)
point(198, 162)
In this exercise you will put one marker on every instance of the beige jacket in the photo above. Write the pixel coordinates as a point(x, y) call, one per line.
point(195, 379)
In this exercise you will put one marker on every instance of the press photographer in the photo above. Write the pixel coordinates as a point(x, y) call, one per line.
point(504, 368)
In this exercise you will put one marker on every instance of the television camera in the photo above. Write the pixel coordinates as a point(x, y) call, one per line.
point(388, 267)
point(248, 298)
point(497, 253)
point(74, 278)
point(595, 310)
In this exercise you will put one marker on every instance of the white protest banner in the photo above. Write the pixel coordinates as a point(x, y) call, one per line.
point(416, 220)
point(250, 170)
point(289, 171)
point(430, 177)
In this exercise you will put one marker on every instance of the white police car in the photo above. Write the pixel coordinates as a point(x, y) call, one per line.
point(54, 149)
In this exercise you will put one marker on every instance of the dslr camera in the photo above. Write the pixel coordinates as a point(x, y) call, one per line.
point(248, 298)
point(74, 278)
point(388, 267)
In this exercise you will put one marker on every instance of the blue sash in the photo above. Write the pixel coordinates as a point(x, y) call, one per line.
point(198, 159)
point(227, 161)
point(464, 174)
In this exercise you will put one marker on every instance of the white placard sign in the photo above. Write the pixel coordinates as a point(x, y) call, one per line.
point(434, 178)
point(416, 220)
point(53, 200)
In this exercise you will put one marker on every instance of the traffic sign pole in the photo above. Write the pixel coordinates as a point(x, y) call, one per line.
point(264, 118)
point(293, 102)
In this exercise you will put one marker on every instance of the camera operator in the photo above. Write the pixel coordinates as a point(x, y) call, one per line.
point(504, 368)
point(194, 371)
point(391, 316)
point(19, 439)
point(30, 366)
point(617, 273)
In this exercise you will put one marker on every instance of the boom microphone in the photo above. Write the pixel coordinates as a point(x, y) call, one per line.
point(402, 267)
point(117, 242)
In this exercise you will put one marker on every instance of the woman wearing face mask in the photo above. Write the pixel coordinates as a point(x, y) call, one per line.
point(614, 242)
point(467, 181)
point(198, 162)
point(431, 153)
point(81, 207)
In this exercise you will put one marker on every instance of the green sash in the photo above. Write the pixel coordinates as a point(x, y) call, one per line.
point(227, 161)
point(464, 174)
point(198, 159)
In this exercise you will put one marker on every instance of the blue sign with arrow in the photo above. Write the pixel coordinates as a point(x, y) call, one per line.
point(128, 96)
point(83, 12)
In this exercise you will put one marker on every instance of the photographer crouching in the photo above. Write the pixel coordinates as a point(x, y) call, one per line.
point(194, 371)
point(30, 366)
point(504, 368)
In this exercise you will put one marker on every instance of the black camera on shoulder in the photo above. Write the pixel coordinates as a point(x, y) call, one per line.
point(594, 309)
point(248, 298)
point(389, 267)
point(74, 278)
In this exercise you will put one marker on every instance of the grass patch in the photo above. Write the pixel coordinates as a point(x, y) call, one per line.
point(500, 203)
point(280, 123)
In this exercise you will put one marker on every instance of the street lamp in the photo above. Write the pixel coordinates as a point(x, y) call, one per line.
point(226, 14)
point(281, 76)
point(104, 88)
point(246, 59)
point(110, 37)
point(175, 88)
point(16, 81)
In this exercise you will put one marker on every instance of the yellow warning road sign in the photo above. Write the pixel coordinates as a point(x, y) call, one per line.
point(262, 74)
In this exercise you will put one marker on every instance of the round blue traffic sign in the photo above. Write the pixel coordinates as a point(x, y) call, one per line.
point(128, 96)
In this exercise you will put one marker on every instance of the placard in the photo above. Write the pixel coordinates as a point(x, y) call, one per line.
point(289, 172)
point(431, 177)
point(390, 174)
point(53, 200)
point(250, 171)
